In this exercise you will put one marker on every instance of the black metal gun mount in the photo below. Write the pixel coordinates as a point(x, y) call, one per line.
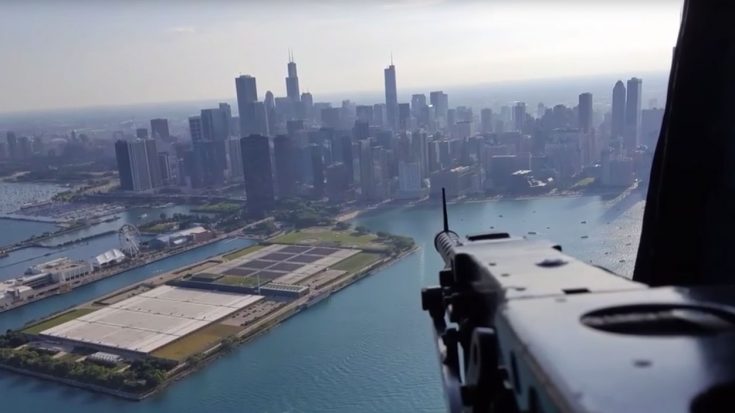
point(521, 327)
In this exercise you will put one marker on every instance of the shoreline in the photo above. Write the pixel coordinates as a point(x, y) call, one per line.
point(258, 328)
point(399, 203)
point(112, 272)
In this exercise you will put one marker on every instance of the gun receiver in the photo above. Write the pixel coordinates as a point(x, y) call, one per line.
point(521, 327)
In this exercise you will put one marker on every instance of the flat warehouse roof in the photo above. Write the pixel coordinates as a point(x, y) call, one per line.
point(153, 319)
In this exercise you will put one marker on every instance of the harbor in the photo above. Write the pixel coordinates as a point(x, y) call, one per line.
point(62, 275)
point(196, 311)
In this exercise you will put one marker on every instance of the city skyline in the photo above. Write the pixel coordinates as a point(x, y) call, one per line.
point(194, 61)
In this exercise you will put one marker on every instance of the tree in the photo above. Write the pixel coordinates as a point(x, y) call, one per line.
point(162, 216)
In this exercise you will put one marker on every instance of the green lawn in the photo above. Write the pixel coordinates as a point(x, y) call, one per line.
point(60, 319)
point(330, 237)
point(356, 262)
point(244, 251)
point(196, 342)
point(583, 183)
point(219, 208)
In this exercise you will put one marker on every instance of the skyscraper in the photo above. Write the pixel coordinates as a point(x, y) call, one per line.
point(617, 126)
point(330, 117)
point(210, 163)
point(270, 100)
point(214, 124)
point(420, 151)
point(24, 148)
point(584, 110)
point(256, 159)
point(346, 156)
point(154, 166)
point(404, 116)
point(260, 118)
point(12, 145)
point(247, 94)
point(440, 101)
point(141, 133)
point(307, 102)
point(122, 155)
point(214, 132)
point(164, 164)
point(364, 113)
point(367, 174)
point(159, 129)
point(379, 114)
point(226, 113)
point(391, 97)
point(195, 128)
point(317, 166)
point(361, 130)
point(292, 81)
point(214, 127)
point(235, 159)
point(337, 185)
point(286, 165)
point(486, 120)
point(418, 101)
point(632, 114)
point(519, 116)
point(138, 165)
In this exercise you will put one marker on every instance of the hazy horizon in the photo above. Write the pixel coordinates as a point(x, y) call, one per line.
point(84, 54)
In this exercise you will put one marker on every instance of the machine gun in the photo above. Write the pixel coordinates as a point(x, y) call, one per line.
point(521, 327)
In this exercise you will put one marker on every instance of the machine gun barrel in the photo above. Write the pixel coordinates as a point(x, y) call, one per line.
point(514, 318)
point(445, 244)
point(446, 241)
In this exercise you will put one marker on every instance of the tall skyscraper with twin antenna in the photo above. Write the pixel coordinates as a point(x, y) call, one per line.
point(292, 81)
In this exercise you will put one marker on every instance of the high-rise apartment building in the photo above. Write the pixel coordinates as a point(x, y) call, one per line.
point(256, 160)
point(159, 129)
point(391, 97)
point(632, 114)
point(617, 126)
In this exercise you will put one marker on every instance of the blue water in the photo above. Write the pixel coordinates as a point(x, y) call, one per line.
point(20, 316)
point(136, 216)
point(12, 231)
point(365, 349)
point(14, 195)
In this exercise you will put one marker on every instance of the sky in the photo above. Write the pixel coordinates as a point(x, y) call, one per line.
point(66, 54)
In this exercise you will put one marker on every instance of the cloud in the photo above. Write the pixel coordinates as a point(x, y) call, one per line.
point(181, 30)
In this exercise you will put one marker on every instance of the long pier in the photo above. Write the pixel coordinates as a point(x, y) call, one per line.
point(55, 289)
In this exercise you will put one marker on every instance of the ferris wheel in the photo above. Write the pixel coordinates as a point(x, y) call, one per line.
point(128, 235)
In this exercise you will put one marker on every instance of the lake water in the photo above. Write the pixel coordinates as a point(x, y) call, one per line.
point(366, 349)
point(15, 195)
